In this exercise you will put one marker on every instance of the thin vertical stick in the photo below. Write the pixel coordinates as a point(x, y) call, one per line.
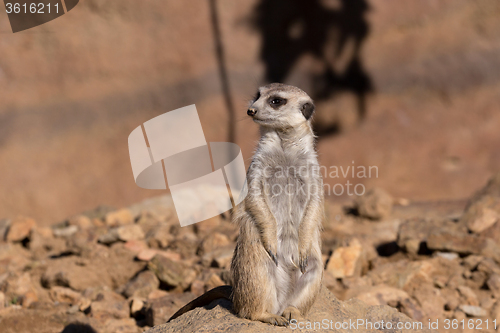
point(219, 50)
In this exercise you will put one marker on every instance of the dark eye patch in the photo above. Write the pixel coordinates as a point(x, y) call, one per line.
point(276, 101)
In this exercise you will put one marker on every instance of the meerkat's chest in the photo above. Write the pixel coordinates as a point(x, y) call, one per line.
point(287, 185)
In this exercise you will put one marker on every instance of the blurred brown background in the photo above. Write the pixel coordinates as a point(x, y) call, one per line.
point(412, 87)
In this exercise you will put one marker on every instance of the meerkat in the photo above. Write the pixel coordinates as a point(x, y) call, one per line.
point(277, 269)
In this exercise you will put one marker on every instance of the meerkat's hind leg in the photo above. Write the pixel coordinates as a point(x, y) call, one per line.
point(291, 313)
point(308, 285)
point(272, 319)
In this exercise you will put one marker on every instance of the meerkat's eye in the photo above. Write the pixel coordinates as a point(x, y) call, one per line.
point(277, 101)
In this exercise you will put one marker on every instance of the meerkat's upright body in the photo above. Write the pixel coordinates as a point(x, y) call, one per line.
point(277, 267)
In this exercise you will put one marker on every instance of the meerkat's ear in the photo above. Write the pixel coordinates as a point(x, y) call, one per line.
point(307, 110)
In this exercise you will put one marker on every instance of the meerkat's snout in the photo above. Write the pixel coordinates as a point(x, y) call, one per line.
point(251, 112)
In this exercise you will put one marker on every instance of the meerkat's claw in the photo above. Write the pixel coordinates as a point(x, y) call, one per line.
point(273, 257)
point(303, 264)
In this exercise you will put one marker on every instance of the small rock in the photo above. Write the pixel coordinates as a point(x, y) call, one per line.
point(109, 304)
point(412, 246)
point(84, 304)
point(157, 294)
point(477, 279)
point(119, 217)
point(468, 295)
point(414, 232)
point(447, 255)
point(43, 244)
point(169, 254)
point(123, 233)
point(159, 310)
point(130, 232)
point(479, 218)
point(81, 221)
point(168, 271)
point(135, 246)
point(471, 262)
point(73, 309)
point(20, 229)
point(75, 274)
point(136, 305)
point(493, 284)
point(455, 241)
point(64, 295)
point(375, 204)
point(29, 298)
point(346, 261)
point(162, 207)
point(141, 285)
point(218, 258)
point(65, 232)
point(483, 209)
point(160, 237)
point(402, 202)
point(430, 300)
point(109, 238)
point(45, 232)
point(21, 286)
point(212, 242)
point(473, 311)
point(146, 254)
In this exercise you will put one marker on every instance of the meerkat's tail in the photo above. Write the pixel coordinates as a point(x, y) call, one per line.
point(205, 299)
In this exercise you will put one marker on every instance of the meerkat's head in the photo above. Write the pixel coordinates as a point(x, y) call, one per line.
point(281, 106)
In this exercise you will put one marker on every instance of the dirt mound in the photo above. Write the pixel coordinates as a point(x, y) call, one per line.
point(327, 315)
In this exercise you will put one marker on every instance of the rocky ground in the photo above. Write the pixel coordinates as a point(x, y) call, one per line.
point(130, 269)
point(72, 90)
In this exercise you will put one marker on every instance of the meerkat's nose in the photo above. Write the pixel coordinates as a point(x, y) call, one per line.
point(251, 112)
